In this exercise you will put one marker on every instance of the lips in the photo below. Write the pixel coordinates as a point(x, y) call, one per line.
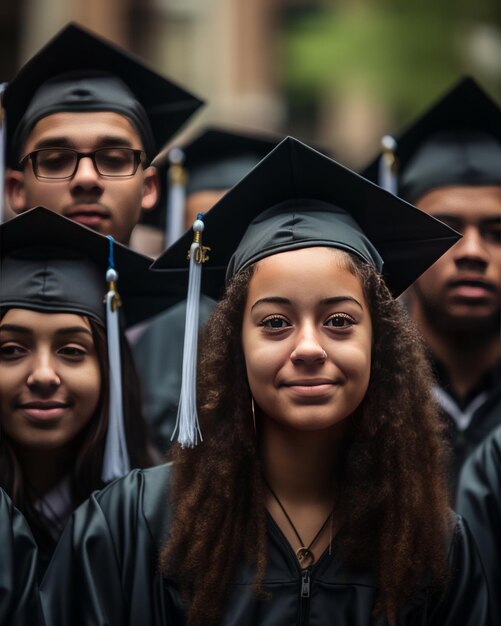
point(471, 288)
point(44, 411)
point(307, 387)
point(87, 214)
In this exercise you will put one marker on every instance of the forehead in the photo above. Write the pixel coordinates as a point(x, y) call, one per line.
point(38, 321)
point(307, 273)
point(469, 203)
point(83, 130)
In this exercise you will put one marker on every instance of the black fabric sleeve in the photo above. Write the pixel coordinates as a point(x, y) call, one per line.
point(19, 597)
point(465, 599)
point(479, 501)
point(104, 569)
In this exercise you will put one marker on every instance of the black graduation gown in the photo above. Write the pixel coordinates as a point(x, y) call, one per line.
point(104, 572)
point(484, 419)
point(19, 597)
point(479, 500)
point(158, 354)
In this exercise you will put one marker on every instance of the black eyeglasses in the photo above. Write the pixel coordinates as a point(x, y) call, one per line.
point(62, 163)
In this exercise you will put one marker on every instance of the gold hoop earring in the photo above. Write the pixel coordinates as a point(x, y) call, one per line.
point(253, 409)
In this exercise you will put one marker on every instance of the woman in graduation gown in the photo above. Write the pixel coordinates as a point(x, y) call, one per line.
point(318, 494)
point(479, 501)
point(66, 430)
point(19, 598)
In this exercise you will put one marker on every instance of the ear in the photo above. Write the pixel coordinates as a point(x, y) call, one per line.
point(15, 190)
point(151, 189)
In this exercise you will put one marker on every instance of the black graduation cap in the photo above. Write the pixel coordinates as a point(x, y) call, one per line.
point(50, 263)
point(297, 197)
point(457, 141)
point(78, 71)
point(216, 159)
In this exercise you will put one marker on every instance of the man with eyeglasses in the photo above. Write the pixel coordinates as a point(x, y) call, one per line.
point(84, 121)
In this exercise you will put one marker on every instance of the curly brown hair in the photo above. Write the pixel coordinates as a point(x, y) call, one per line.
point(392, 495)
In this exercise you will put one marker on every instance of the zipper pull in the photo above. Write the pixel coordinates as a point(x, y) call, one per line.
point(305, 584)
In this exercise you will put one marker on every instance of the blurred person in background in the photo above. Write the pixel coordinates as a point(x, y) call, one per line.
point(448, 164)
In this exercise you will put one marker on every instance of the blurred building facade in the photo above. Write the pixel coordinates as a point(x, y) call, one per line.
point(235, 54)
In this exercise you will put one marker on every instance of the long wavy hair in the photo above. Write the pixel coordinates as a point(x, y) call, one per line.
point(392, 497)
point(85, 474)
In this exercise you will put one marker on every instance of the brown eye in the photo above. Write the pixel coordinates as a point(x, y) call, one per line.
point(340, 320)
point(275, 323)
point(11, 351)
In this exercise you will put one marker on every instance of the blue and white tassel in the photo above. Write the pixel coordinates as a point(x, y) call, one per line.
point(388, 166)
point(116, 457)
point(187, 426)
point(176, 198)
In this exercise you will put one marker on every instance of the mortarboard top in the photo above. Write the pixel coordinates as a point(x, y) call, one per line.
point(310, 200)
point(120, 79)
point(51, 263)
point(216, 159)
point(456, 141)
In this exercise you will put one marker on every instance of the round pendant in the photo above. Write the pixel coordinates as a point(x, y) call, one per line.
point(305, 557)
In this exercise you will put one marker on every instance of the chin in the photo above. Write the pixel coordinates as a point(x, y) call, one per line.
point(314, 423)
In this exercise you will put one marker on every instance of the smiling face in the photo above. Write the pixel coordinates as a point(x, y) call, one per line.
point(50, 379)
point(307, 338)
point(111, 206)
point(462, 289)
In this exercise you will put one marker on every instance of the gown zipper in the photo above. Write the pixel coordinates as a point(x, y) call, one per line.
point(304, 607)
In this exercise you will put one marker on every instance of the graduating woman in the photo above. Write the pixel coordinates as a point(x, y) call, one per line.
point(318, 494)
point(65, 430)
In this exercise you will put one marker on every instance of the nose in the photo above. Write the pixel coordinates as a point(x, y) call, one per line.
point(86, 177)
point(308, 348)
point(43, 376)
point(471, 252)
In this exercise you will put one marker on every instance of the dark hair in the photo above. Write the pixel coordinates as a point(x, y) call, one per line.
point(85, 476)
point(392, 498)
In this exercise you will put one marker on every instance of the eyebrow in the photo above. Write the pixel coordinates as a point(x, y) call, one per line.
point(70, 330)
point(324, 302)
point(103, 142)
point(495, 219)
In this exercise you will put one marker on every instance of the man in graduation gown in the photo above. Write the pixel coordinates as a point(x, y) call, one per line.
point(19, 597)
point(479, 501)
point(77, 111)
point(199, 174)
point(448, 164)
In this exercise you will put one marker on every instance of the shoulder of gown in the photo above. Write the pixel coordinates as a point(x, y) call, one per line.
point(465, 600)
point(479, 501)
point(19, 597)
point(104, 570)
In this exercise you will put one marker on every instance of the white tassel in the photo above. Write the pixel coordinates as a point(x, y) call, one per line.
point(388, 165)
point(116, 457)
point(3, 146)
point(187, 426)
point(176, 200)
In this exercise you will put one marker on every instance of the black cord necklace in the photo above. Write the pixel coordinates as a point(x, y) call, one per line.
point(304, 554)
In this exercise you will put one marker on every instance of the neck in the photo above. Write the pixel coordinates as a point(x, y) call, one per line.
point(300, 465)
point(457, 350)
point(43, 469)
